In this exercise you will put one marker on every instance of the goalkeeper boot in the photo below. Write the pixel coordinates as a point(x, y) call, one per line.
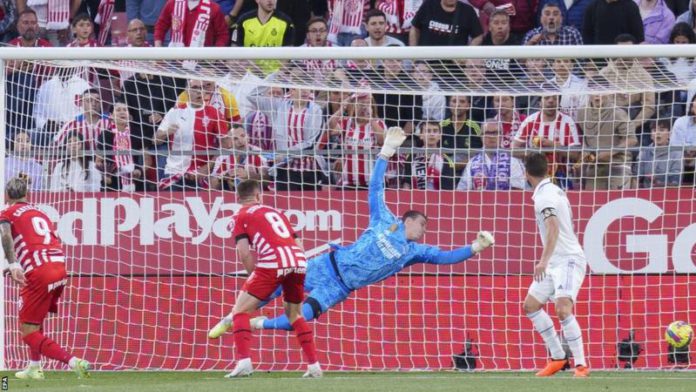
point(80, 367)
point(243, 369)
point(257, 323)
point(554, 366)
point(32, 372)
point(313, 371)
point(220, 328)
point(582, 371)
point(484, 239)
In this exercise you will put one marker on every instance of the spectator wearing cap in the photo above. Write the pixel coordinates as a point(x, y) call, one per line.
point(552, 30)
point(658, 20)
point(607, 19)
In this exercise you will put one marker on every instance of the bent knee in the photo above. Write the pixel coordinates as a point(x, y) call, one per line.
point(531, 305)
point(564, 309)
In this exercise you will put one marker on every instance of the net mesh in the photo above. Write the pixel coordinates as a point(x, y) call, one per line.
point(136, 163)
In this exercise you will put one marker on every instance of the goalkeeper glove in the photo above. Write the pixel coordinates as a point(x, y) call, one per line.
point(393, 138)
point(484, 239)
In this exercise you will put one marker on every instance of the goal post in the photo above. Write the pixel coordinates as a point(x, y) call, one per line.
point(144, 209)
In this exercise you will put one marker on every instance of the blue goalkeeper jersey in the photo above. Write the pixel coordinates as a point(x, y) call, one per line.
point(383, 250)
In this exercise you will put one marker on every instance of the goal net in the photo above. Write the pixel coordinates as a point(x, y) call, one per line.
point(136, 162)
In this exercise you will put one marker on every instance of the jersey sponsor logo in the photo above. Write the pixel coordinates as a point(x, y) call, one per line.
point(388, 250)
point(286, 271)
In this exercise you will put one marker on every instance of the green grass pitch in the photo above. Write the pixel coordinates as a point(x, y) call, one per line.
point(131, 381)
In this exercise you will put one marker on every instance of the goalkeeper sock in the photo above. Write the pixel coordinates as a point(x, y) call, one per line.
point(282, 322)
point(46, 346)
point(305, 337)
point(571, 331)
point(242, 335)
point(544, 325)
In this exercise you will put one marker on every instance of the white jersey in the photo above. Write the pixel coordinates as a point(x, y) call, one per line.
point(548, 196)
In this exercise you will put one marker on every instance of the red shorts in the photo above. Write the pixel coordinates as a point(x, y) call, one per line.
point(40, 296)
point(264, 281)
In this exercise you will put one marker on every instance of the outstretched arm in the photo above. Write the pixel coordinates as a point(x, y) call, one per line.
point(433, 255)
point(393, 138)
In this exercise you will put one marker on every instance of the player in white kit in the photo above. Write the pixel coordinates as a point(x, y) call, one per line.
point(559, 273)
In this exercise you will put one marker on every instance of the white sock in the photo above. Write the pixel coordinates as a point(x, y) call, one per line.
point(228, 319)
point(73, 362)
point(573, 335)
point(35, 364)
point(544, 325)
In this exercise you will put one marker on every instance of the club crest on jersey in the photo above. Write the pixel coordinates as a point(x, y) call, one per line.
point(206, 121)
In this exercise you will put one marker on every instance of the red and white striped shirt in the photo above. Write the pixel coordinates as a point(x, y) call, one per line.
point(561, 130)
point(225, 164)
point(296, 124)
point(346, 16)
point(509, 128)
point(399, 14)
point(320, 68)
point(90, 132)
point(91, 43)
point(270, 233)
point(34, 237)
point(357, 167)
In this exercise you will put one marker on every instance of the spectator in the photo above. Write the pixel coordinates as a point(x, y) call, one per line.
point(190, 127)
point(54, 18)
point(535, 76)
point(218, 97)
point(683, 68)
point(299, 12)
point(501, 71)
point(549, 129)
point(607, 137)
point(629, 74)
point(522, 14)
point(244, 164)
point(552, 30)
point(683, 135)
point(605, 20)
point(445, 23)
point(572, 12)
point(358, 129)
point(264, 27)
point(83, 30)
point(689, 17)
point(259, 125)
point(137, 34)
point(399, 16)
point(317, 34)
point(508, 118)
point(376, 25)
point(434, 102)
point(57, 102)
point(397, 109)
point(8, 14)
point(90, 123)
point(117, 164)
point(493, 168)
point(346, 20)
point(297, 126)
point(459, 131)
point(572, 87)
point(432, 169)
point(148, 11)
point(75, 172)
point(658, 20)
point(28, 31)
point(192, 23)
point(475, 73)
point(659, 163)
point(21, 162)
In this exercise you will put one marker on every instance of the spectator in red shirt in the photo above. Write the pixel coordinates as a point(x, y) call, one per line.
point(193, 23)
point(83, 29)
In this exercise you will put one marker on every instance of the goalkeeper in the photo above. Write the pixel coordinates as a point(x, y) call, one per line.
point(385, 248)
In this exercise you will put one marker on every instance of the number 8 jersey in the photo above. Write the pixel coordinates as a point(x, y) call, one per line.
point(35, 241)
point(271, 235)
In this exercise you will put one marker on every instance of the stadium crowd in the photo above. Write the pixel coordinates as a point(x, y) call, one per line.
point(91, 129)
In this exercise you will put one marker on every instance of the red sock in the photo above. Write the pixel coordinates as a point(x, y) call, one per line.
point(46, 346)
point(306, 338)
point(242, 335)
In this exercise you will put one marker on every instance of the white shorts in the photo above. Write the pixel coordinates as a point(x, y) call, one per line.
point(563, 279)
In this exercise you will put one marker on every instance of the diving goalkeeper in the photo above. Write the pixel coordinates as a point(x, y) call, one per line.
point(385, 248)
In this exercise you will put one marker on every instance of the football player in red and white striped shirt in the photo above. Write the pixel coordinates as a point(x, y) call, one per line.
point(90, 124)
point(37, 263)
point(280, 261)
point(358, 130)
point(549, 128)
point(229, 170)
